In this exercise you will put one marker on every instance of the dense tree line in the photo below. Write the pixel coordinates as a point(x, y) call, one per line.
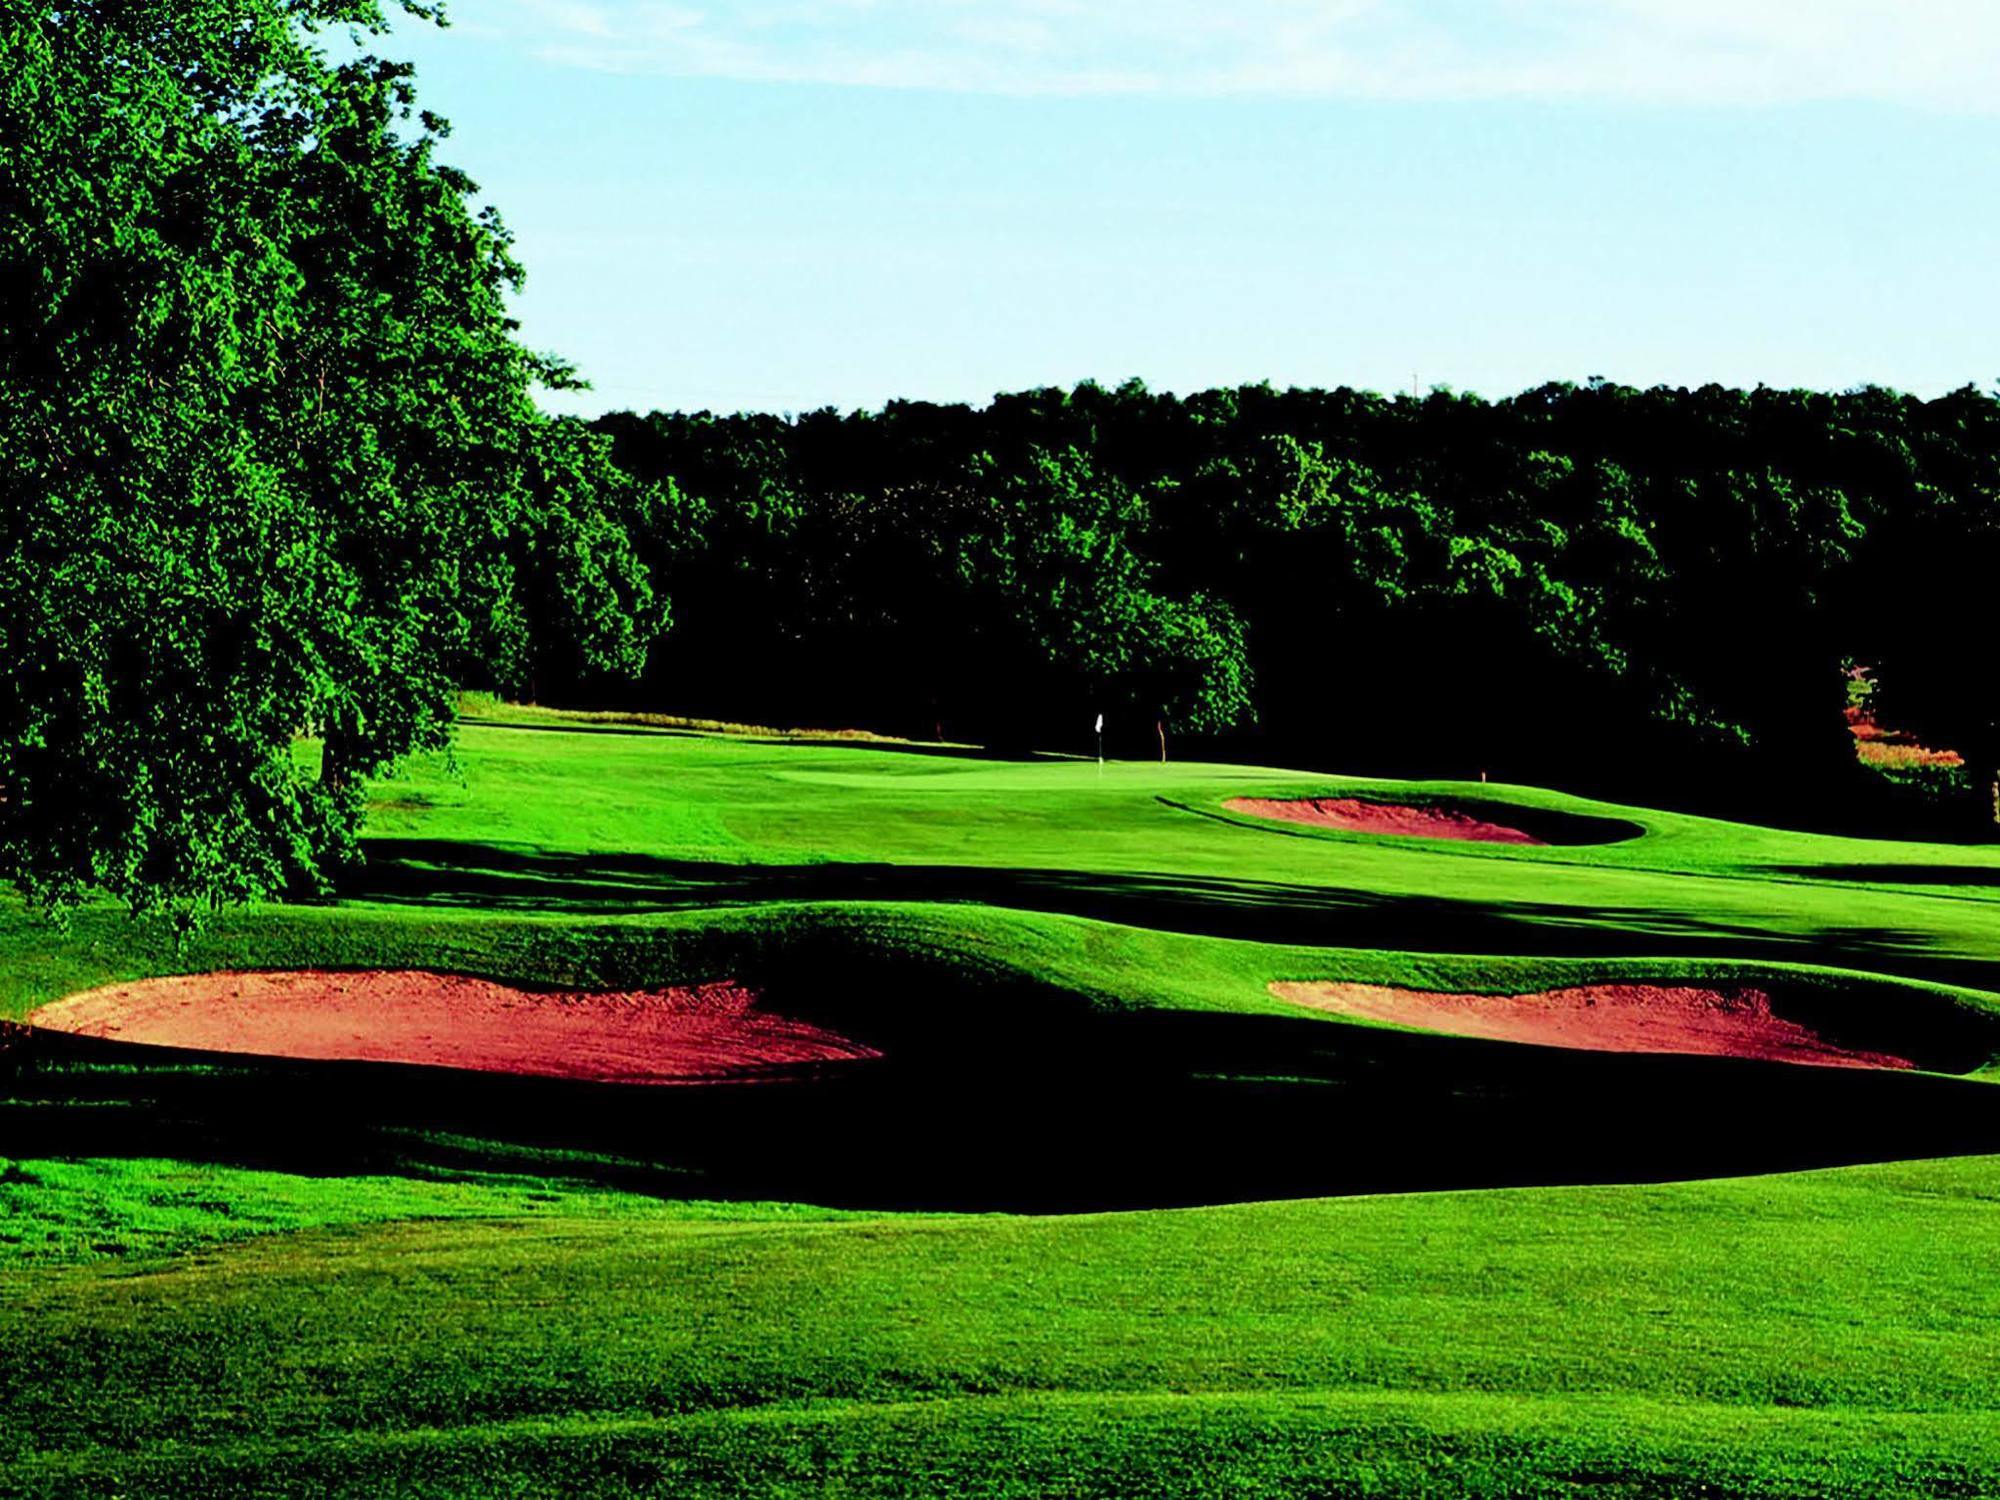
point(1624, 588)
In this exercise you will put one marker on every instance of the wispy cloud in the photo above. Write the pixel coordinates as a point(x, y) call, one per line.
point(1940, 54)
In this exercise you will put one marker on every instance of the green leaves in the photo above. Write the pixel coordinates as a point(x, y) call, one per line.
point(1059, 549)
point(267, 450)
point(1586, 582)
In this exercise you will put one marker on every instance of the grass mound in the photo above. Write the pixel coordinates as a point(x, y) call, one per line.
point(1816, 1334)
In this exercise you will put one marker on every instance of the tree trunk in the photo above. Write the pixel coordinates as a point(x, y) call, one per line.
point(336, 768)
point(1160, 728)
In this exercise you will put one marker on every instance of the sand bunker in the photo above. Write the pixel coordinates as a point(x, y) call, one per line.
point(705, 1033)
point(1356, 816)
point(1602, 1018)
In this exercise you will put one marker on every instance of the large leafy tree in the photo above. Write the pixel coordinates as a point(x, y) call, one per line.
point(270, 471)
point(1058, 569)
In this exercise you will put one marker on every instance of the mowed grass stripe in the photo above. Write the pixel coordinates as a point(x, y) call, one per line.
point(1012, 1447)
point(142, 1210)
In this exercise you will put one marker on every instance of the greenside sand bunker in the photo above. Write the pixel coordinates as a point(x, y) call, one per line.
point(680, 1034)
point(1741, 1021)
point(1396, 820)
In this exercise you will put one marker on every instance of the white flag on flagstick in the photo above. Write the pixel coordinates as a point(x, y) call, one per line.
point(1100, 723)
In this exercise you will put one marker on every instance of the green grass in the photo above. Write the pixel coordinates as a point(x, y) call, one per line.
point(1819, 1333)
point(630, 821)
point(223, 1279)
point(55, 1212)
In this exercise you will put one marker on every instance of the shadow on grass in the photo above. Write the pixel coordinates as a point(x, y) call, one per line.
point(990, 1112)
point(1966, 875)
point(433, 872)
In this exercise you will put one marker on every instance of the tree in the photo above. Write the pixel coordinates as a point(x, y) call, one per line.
point(270, 469)
point(1645, 592)
point(1927, 611)
point(1059, 568)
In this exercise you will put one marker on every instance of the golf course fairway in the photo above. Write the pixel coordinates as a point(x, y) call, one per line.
point(786, 1115)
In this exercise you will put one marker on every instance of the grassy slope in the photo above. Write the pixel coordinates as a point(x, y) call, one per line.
point(66, 1212)
point(1822, 1333)
point(1817, 1333)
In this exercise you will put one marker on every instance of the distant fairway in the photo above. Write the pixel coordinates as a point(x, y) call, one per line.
point(1080, 1228)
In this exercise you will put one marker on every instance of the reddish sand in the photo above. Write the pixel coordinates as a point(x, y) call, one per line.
point(700, 1034)
point(1380, 817)
point(1892, 748)
point(1602, 1018)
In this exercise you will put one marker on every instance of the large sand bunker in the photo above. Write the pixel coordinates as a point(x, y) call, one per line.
point(1740, 1022)
point(703, 1033)
point(1356, 816)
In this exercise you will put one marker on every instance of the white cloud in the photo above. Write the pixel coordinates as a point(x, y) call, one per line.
point(1939, 54)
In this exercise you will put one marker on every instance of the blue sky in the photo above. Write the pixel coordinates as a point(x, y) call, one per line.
point(801, 203)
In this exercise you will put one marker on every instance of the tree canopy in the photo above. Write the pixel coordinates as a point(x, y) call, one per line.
point(270, 470)
point(1647, 591)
